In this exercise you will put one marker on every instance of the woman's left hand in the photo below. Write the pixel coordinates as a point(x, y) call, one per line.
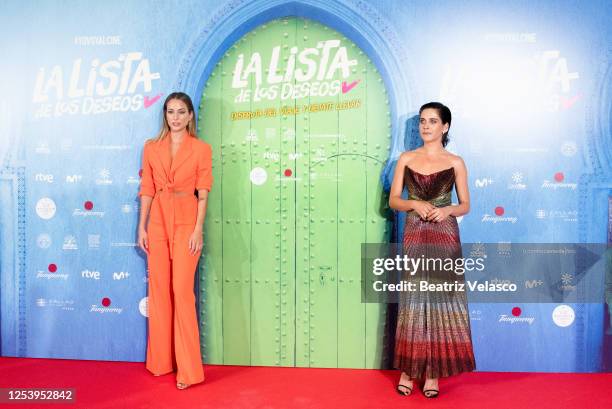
point(195, 241)
point(438, 214)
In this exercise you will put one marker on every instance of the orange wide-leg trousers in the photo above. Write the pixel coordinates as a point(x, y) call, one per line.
point(173, 326)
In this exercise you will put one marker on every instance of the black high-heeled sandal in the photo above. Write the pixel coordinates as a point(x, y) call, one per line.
point(433, 393)
point(404, 392)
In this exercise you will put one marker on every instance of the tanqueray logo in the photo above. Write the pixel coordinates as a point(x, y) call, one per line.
point(120, 85)
point(312, 69)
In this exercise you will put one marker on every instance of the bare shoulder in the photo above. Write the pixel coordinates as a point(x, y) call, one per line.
point(456, 161)
point(407, 156)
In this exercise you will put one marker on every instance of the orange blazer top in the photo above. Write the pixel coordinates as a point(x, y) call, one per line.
point(172, 183)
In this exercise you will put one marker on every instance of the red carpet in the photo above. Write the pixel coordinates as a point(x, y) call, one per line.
point(129, 385)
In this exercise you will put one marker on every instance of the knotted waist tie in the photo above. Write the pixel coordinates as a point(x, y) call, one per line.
point(167, 197)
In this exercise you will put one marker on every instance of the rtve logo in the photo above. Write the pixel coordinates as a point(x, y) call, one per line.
point(42, 177)
point(95, 275)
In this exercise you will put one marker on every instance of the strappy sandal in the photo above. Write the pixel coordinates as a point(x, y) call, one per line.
point(181, 385)
point(433, 393)
point(407, 389)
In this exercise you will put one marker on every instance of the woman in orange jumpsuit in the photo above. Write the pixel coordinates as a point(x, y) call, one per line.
point(174, 166)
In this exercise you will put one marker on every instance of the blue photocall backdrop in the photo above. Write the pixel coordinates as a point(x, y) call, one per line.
point(528, 83)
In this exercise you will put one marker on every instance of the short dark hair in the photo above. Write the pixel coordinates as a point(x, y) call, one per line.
point(444, 113)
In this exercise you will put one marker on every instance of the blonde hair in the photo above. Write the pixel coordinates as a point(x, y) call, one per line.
point(165, 128)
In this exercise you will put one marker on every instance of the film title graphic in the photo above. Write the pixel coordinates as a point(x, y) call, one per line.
point(118, 85)
point(309, 72)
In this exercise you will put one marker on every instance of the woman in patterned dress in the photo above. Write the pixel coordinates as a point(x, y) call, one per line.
point(433, 337)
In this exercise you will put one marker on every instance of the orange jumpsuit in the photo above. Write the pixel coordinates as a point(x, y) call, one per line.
point(172, 218)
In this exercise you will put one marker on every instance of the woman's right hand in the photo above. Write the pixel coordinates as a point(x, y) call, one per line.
point(422, 208)
point(143, 240)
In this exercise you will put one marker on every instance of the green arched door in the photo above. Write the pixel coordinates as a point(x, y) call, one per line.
point(298, 119)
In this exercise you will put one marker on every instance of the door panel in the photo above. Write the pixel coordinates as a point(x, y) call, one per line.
point(297, 190)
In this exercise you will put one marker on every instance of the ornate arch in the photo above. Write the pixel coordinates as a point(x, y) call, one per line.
point(355, 19)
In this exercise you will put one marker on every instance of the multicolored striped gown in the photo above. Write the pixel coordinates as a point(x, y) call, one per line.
point(433, 337)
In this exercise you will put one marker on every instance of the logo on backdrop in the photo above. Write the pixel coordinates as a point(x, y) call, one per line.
point(120, 275)
point(558, 183)
point(132, 180)
point(499, 216)
point(45, 208)
point(533, 283)
point(569, 148)
point(516, 317)
point(567, 282)
point(43, 148)
point(43, 177)
point(70, 243)
point(483, 182)
point(563, 316)
point(93, 241)
point(546, 76)
point(51, 273)
point(43, 241)
point(563, 215)
point(143, 306)
point(66, 305)
point(258, 176)
point(124, 84)
point(92, 275)
point(104, 177)
point(311, 68)
point(517, 182)
point(106, 307)
point(88, 211)
point(74, 178)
